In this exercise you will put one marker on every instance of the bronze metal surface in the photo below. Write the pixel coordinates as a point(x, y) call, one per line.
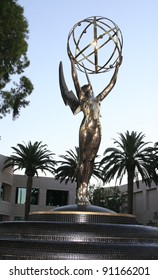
point(90, 129)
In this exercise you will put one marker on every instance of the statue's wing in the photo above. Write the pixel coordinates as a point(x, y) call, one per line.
point(68, 96)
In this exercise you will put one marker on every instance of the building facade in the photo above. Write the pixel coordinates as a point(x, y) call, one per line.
point(145, 203)
point(48, 193)
point(6, 183)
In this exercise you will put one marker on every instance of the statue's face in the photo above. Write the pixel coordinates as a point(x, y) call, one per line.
point(86, 92)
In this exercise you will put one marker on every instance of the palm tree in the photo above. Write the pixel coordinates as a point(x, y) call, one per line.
point(132, 157)
point(155, 161)
point(31, 157)
point(69, 166)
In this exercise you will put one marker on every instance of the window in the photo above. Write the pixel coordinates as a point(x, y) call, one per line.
point(56, 198)
point(34, 196)
point(21, 196)
point(2, 193)
point(5, 192)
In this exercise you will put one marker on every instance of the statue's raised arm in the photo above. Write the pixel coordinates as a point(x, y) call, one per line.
point(68, 96)
point(111, 84)
point(75, 78)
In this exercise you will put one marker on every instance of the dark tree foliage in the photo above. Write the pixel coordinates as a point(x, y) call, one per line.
point(110, 198)
point(31, 158)
point(68, 167)
point(13, 58)
point(132, 157)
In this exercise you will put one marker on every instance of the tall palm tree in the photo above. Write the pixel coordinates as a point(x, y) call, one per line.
point(132, 157)
point(31, 157)
point(69, 166)
point(153, 167)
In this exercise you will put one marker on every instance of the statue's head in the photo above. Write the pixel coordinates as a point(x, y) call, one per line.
point(86, 92)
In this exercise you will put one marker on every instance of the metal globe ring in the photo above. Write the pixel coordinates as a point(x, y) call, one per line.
point(97, 56)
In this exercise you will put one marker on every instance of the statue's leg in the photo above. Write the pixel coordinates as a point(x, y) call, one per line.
point(82, 194)
point(89, 141)
point(84, 175)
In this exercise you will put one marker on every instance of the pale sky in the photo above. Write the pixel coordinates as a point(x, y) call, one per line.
point(132, 104)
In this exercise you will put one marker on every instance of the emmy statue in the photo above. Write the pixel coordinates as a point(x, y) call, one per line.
point(105, 45)
point(83, 231)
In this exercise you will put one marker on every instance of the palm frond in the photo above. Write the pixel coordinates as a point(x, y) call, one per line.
point(31, 157)
point(131, 152)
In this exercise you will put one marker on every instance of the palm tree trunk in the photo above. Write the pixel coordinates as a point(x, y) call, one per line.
point(28, 197)
point(130, 191)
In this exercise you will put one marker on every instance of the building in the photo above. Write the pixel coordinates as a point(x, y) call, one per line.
point(6, 183)
point(47, 193)
point(145, 202)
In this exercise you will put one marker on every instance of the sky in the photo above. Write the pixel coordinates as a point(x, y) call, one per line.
point(131, 105)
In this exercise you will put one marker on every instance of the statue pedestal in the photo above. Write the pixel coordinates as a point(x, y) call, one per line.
point(77, 232)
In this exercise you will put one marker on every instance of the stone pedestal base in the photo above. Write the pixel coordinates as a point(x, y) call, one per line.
point(78, 233)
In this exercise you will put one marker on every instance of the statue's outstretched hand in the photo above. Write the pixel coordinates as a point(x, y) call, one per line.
point(71, 56)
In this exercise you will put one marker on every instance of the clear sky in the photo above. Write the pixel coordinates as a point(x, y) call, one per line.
point(132, 104)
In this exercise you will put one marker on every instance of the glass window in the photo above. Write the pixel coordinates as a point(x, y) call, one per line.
point(34, 196)
point(2, 193)
point(21, 196)
point(56, 198)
